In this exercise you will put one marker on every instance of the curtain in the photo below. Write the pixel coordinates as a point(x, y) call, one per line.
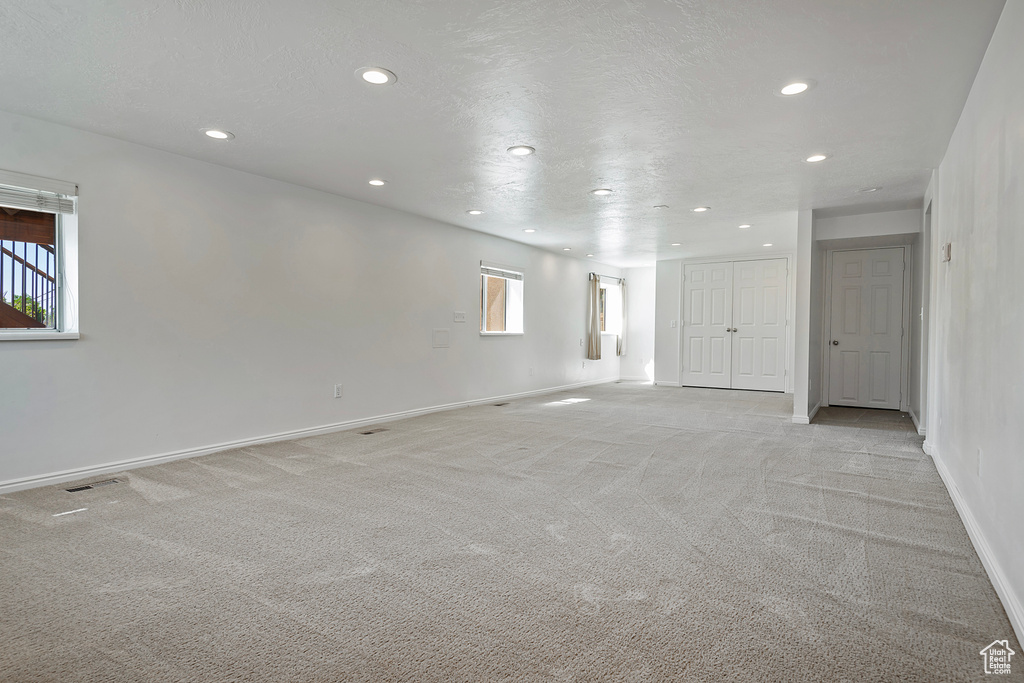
point(620, 341)
point(594, 319)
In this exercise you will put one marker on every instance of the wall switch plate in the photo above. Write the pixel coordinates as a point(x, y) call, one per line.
point(339, 390)
point(672, 324)
point(459, 316)
point(531, 372)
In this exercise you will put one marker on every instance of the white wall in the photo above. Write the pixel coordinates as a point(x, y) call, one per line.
point(919, 326)
point(868, 225)
point(638, 363)
point(219, 306)
point(668, 288)
point(976, 387)
point(806, 393)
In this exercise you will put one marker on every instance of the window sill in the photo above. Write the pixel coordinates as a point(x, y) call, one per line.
point(37, 336)
point(501, 334)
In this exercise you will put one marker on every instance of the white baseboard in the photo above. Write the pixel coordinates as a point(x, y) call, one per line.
point(806, 420)
point(1011, 601)
point(133, 463)
point(635, 379)
point(929, 448)
point(917, 423)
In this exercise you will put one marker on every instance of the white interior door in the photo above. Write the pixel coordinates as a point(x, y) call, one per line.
point(759, 325)
point(866, 341)
point(707, 311)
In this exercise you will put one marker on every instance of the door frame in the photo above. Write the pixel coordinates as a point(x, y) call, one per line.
point(826, 322)
point(790, 308)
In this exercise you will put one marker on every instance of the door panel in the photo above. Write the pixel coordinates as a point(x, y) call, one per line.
point(866, 343)
point(707, 347)
point(759, 318)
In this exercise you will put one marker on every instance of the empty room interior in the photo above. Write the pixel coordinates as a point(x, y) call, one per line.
point(475, 341)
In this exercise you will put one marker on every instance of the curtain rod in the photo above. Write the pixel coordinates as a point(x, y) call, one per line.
point(610, 277)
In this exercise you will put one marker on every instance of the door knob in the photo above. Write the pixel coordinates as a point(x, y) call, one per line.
point(835, 342)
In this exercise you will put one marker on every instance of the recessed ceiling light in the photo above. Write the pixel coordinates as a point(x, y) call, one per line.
point(744, 226)
point(661, 206)
point(677, 244)
point(217, 134)
point(474, 212)
point(375, 75)
point(794, 89)
point(767, 245)
point(870, 189)
point(590, 256)
point(701, 209)
point(521, 150)
point(566, 249)
point(529, 230)
point(601, 191)
point(815, 158)
point(377, 182)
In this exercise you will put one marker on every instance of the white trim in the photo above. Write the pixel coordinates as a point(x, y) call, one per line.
point(145, 461)
point(31, 335)
point(1011, 602)
point(929, 448)
point(34, 182)
point(917, 423)
point(637, 379)
point(801, 420)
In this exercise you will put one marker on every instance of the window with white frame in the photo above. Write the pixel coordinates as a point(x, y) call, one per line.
point(501, 300)
point(610, 306)
point(38, 258)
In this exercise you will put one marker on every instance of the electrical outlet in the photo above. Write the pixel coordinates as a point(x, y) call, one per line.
point(672, 323)
point(339, 390)
point(584, 365)
point(581, 341)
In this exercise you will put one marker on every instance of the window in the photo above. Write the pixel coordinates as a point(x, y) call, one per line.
point(501, 300)
point(38, 258)
point(610, 306)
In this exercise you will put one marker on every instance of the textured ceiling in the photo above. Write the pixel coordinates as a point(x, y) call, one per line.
point(665, 101)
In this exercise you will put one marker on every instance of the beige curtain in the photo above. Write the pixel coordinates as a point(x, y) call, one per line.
point(594, 319)
point(620, 341)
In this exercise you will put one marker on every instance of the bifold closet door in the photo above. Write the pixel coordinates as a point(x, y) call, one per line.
point(759, 325)
point(707, 310)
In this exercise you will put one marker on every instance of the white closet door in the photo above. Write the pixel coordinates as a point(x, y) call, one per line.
point(759, 324)
point(707, 309)
point(866, 342)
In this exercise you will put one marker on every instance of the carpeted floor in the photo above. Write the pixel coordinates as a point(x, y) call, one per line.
point(615, 533)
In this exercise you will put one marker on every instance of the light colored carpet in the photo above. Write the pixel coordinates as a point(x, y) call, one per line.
point(615, 533)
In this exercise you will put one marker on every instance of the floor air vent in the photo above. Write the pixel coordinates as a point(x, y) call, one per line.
point(498, 405)
point(93, 485)
point(374, 431)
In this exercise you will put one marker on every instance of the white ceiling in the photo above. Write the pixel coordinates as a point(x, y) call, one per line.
point(665, 101)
